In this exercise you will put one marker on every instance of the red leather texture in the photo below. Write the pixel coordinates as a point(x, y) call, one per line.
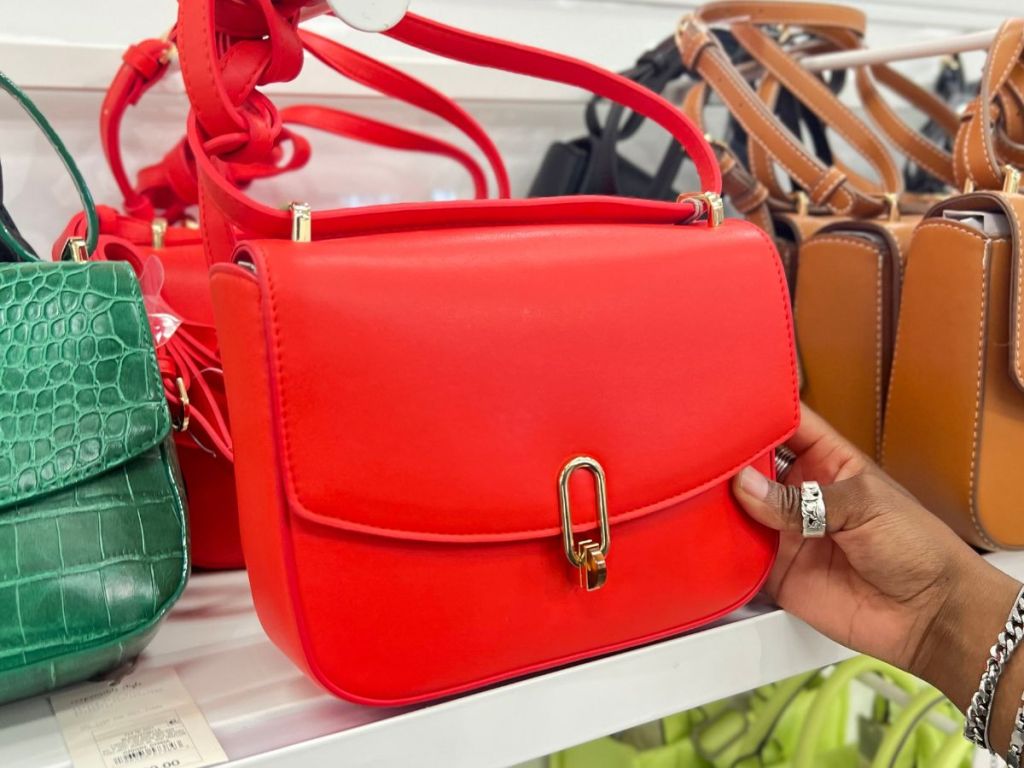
point(424, 389)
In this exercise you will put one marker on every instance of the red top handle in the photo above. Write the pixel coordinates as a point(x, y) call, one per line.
point(471, 48)
point(236, 129)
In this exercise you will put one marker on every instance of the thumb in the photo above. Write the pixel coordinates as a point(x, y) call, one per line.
point(848, 504)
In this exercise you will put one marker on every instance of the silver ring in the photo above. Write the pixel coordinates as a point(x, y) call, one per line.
point(784, 459)
point(812, 510)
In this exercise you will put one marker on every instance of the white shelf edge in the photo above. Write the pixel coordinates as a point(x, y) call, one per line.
point(537, 716)
point(258, 703)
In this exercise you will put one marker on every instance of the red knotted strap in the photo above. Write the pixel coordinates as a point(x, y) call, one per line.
point(224, 208)
point(170, 186)
point(222, 66)
point(225, 120)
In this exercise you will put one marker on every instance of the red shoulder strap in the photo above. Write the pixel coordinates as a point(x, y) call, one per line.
point(255, 219)
point(170, 185)
point(484, 51)
point(392, 82)
point(143, 66)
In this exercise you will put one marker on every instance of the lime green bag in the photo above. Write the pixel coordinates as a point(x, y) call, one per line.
point(760, 729)
point(797, 723)
point(911, 742)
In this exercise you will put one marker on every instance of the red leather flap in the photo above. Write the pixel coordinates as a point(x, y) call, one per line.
point(432, 385)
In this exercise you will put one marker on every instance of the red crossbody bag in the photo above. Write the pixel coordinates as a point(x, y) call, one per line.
point(162, 244)
point(480, 439)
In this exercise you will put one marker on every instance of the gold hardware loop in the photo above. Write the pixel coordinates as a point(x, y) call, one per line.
point(159, 229)
point(302, 222)
point(1011, 180)
point(586, 555)
point(892, 201)
point(186, 406)
point(803, 202)
point(77, 249)
point(709, 206)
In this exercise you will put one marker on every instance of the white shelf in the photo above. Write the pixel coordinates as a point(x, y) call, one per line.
point(265, 713)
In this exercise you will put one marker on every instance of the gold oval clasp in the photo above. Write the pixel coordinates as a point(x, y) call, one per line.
point(586, 555)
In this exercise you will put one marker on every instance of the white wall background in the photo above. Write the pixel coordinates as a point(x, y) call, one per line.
point(65, 52)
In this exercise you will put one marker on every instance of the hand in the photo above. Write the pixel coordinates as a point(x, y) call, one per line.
point(890, 579)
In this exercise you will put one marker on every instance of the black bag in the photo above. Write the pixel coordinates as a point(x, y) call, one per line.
point(6, 254)
point(954, 89)
point(592, 165)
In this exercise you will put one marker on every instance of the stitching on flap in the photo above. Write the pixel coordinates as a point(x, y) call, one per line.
point(927, 224)
point(504, 535)
point(939, 224)
point(1018, 300)
point(986, 265)
point(879, 257)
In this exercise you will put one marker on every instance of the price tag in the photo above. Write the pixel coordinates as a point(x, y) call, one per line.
point(145, 720)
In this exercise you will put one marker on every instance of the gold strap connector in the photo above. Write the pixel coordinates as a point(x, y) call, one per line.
point(302, 222)
point(159, 229)
point(709, 206)
point(892, 202)
point(186, 407)
point(76, 249)
point(1011, 180)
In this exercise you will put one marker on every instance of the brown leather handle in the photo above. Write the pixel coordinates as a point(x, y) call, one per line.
point(924, 153)
point(904, 137)
point(990, 135)
point(831, 186)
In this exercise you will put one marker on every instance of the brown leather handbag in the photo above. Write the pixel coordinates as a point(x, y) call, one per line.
point(849, 274)
point(823, 188)
point(841, 235)
point(954, 430)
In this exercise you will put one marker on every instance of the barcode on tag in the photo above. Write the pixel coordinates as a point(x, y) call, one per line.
point(145, 720)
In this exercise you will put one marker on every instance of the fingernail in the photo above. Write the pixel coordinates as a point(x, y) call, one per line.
point(754, 483)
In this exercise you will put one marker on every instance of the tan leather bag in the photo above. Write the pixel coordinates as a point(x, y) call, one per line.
point(840, 235)
point(848, 269)
point(848, 281)
point(954, 428)
point(824, 190)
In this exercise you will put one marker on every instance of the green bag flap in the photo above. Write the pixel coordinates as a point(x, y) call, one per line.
point(80, 392)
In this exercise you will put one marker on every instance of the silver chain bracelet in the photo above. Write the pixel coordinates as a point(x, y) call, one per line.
point(1016, 739)
point(976, 726)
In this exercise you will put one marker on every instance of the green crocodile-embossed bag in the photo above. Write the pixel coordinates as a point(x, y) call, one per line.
point(93, 542)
